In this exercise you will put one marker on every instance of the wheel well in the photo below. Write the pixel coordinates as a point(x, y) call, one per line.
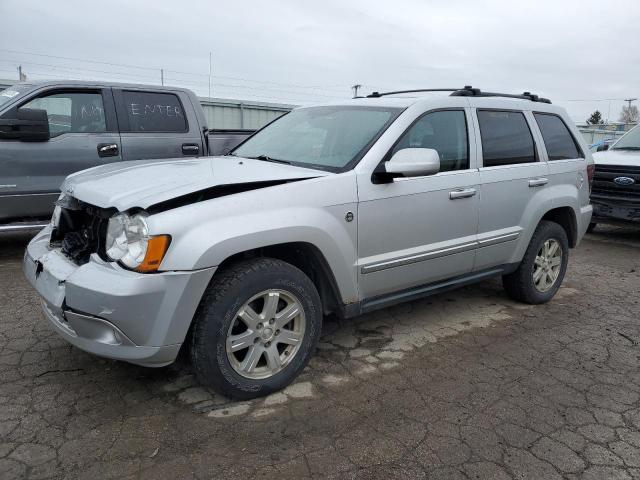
point(306, 257)
point(566, 218)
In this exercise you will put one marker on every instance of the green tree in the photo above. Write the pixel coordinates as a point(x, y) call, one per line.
point(595, 118)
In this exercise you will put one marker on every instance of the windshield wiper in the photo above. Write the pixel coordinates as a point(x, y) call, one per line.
point(267, 158)
point(626, 148)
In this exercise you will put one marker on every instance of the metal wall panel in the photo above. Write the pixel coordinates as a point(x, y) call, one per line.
point(239, 114)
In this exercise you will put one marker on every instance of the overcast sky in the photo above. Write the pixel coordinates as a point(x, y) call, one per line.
point(294, 51)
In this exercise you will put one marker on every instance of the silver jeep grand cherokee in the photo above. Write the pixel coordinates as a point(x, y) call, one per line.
point(341, 208)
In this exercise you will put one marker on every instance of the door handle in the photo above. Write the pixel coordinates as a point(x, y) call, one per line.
point(190, 149)
point(538, 182)
point(463, 193)
point(108, 150)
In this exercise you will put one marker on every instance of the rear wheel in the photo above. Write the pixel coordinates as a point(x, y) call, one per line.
point(543, 266)
point(256, 328)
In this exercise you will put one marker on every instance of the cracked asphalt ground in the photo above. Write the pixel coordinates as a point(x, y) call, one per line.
point(466, 384)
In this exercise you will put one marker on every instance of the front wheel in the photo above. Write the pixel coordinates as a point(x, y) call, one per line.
point(543, 266)
point(256, 329)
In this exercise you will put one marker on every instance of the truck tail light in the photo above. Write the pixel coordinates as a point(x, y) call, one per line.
point(591, 169)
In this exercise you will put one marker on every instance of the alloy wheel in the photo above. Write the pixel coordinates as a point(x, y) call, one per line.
point(259, 345)
point(547, 265)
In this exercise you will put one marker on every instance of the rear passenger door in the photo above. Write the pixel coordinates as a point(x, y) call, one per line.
point(512, 175)
point(158, 124)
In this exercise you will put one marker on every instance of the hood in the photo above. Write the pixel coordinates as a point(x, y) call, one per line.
point(627, 158)
point(143, 183)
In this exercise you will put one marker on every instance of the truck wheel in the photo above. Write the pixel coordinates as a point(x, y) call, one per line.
point(543, 266)
point(256, 328)
point(591, 227)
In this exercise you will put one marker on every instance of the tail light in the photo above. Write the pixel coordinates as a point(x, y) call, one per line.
point(591, 169)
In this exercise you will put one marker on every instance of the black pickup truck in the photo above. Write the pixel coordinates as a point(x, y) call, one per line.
point(51, 129)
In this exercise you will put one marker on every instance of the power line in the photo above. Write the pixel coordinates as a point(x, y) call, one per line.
point(156, 69)
point(78, 71)
point(230, 89)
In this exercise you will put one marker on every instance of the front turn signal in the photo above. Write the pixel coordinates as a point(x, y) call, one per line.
point(156, 248)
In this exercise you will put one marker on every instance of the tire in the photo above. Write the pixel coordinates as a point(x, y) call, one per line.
point(591, 227)
point(520, 285)
point(227, 309)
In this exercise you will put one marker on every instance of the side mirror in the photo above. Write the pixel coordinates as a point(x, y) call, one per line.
point(413, 162)
point(30, 125)
point(602, 148)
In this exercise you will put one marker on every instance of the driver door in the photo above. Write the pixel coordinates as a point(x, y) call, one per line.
point(420, 230)
point(84, 134)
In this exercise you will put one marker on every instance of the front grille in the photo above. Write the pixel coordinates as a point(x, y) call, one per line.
point(81, 230)
point(606, 190)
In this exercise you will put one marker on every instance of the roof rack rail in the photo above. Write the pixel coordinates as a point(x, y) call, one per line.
point(476, 92)
point(466, 91)
point(382, 94)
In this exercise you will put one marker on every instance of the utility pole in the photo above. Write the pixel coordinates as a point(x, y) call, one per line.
point(629, 100)
point(22, 77)
point(209, 76)
point(355, 90)
point(162, 77)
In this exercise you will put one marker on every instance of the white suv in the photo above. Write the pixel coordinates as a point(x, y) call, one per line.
point(341, 208)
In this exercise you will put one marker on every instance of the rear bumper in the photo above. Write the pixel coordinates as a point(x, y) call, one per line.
point(584, 219)
point(106, 310)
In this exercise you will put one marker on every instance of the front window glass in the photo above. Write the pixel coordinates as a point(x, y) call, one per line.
point(445, 132)
point(72, 112)
point(328, 138)
point(631, 141)
point(12, 92)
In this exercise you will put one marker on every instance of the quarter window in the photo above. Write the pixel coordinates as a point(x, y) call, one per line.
point(506, 138)
point(154, 112)
point(444, 131)
point(557, 138)
point(72, 112)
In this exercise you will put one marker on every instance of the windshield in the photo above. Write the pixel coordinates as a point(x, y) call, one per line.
point(631, 141)
point(11, 92)
point(326, 138)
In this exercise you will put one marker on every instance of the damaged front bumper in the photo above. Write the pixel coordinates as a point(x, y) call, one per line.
point(106, 310)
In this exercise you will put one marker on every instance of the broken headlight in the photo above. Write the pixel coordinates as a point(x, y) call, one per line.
point(128, 242)
point(127, 239)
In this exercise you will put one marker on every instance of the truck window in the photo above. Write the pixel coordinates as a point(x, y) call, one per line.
point(154, 112)
point(445, 132)
point(72, 112)
point(506, 138)
point(12, 92)
point(557, 138)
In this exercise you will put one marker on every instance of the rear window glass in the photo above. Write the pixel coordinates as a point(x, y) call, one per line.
point(154, 112)
point(558, 140)
point(506, 138)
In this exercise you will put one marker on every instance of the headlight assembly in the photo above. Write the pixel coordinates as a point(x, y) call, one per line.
point(128, 242)
point(55, 218)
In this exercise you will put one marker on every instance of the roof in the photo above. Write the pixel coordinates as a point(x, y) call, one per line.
point(104, 84)
point(425, 100)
